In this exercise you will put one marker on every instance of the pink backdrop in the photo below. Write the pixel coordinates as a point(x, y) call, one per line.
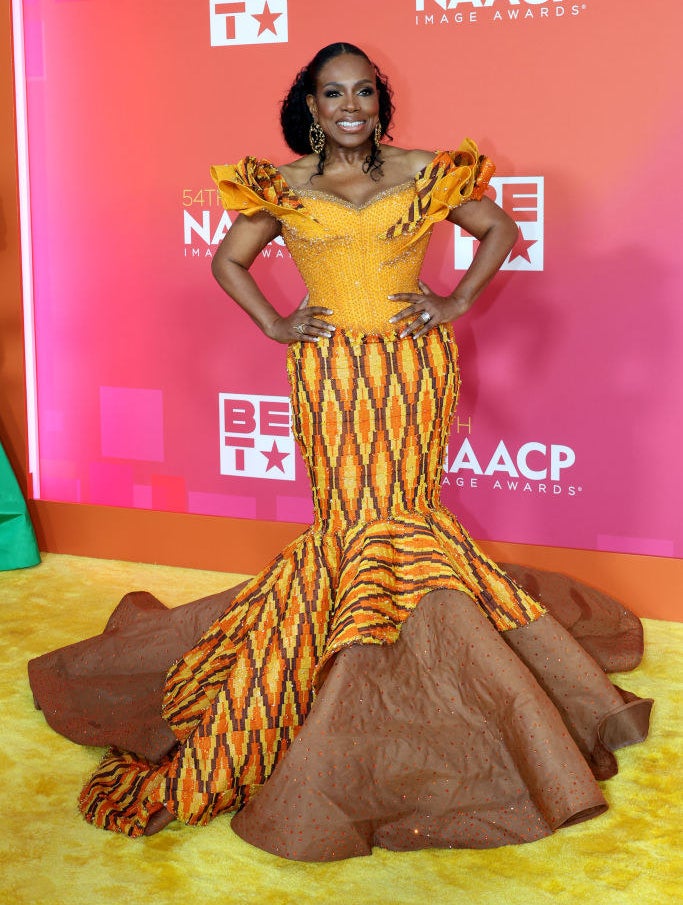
point(154, 391)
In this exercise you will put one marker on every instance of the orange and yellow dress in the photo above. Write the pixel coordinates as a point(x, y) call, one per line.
point(381, 682)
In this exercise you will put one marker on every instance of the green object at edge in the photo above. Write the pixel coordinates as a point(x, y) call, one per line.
point(18, 547)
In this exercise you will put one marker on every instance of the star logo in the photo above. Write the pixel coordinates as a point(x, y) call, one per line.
point(256, 439)
point(248, 22)
point(521, 248)
point(266, 20)
point(274, 457)
point(523, 199)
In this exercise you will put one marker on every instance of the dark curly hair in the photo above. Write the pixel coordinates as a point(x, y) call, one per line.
point(296, 119)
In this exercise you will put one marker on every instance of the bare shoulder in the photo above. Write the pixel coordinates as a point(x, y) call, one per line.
point(299, 171)
point(408, 161)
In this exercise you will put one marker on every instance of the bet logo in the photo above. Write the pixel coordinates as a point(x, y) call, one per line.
point(256, 437)
point(247, 22)
point(522, 197)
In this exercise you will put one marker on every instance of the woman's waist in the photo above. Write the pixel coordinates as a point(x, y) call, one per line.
point(364, 313)
point(348, 337)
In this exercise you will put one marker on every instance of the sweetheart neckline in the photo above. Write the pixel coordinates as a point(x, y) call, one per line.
point(345, 201)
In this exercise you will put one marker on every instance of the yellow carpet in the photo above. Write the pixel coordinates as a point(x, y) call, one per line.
point(48, 854)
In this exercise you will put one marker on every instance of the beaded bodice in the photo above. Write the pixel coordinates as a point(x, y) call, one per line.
point(352, 257)
point(347, 264)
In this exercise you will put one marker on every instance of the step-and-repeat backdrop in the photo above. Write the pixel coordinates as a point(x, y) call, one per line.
point(154, 390)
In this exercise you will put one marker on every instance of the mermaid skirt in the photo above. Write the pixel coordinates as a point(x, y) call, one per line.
point(382, 682)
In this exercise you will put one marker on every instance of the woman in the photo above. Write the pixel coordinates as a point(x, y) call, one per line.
point(450, 708)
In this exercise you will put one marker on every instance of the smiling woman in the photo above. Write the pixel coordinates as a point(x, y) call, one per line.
point(359, 103)
point(382, 682)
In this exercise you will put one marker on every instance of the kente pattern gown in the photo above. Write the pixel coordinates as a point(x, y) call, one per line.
point(382, 682)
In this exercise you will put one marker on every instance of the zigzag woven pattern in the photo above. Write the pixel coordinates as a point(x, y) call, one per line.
point(452, 178)
point(372, 416)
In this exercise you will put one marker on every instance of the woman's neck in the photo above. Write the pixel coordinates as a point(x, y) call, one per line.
point(346, 158)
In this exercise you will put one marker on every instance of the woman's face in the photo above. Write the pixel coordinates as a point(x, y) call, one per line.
point(346, 101)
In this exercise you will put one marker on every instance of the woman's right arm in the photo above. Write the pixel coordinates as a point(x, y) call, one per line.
point(230, 266)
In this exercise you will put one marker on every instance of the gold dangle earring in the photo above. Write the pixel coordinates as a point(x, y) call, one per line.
point(316, 137)
point(378, 134)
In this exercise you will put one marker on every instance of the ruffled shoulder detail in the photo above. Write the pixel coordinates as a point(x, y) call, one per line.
point(449, 180)
point(254, 185)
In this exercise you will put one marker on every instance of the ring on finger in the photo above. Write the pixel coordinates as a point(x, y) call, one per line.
point(300, 328)
point(425, 316)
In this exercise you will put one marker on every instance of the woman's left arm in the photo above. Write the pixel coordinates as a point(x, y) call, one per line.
point(497, 234)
